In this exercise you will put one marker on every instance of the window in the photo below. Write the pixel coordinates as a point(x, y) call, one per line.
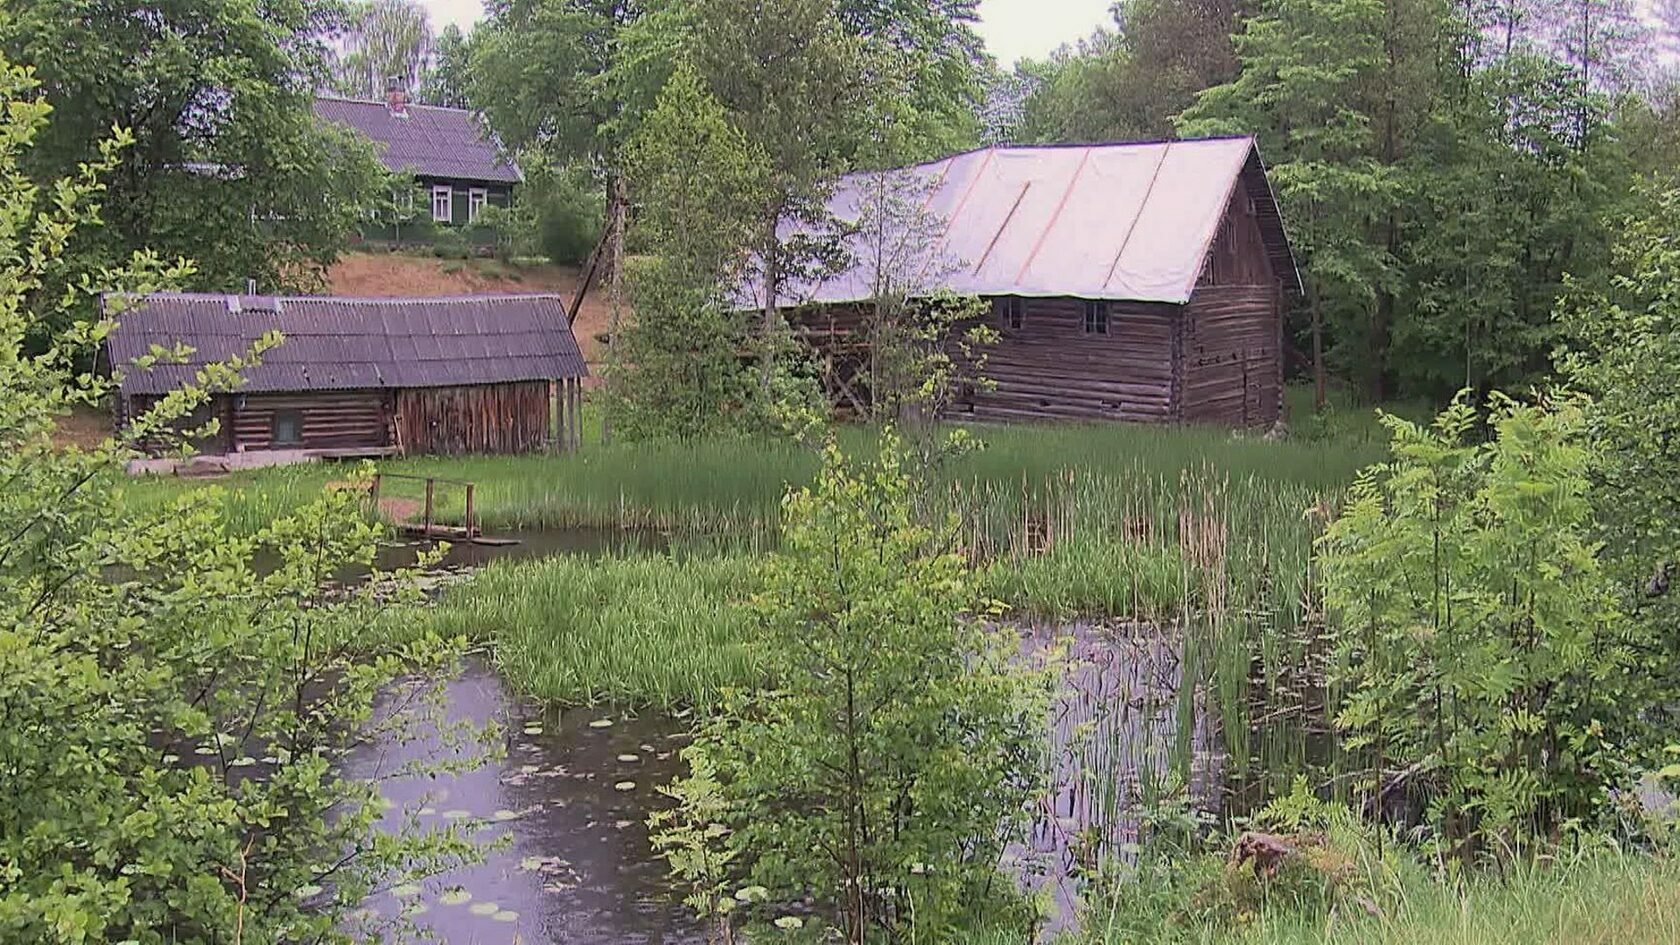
point(1096, 318)
point(1011, 312)
point(286, 429)
point(476, 199)
point(443, 204)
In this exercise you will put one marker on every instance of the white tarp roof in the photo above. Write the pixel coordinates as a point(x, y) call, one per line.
point(1124, 222)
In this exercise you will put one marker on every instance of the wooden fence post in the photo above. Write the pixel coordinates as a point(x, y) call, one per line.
point(428, 525)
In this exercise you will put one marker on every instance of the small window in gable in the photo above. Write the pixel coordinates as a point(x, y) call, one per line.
point(1096, 318)
point(1011, 312)
point(443, 204)
point(286, 429)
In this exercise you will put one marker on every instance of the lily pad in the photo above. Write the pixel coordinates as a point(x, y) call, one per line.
point(484, 908)
point(456, 814)
point(601, 723)
point(405, 891)
point(506, 915)
point(533, 729)
point(629, 759)
point(505, 815)
point(625, 786)
point(455, 897)
point(788, 923)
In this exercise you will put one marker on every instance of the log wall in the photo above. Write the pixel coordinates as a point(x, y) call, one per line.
point(1233, 329)
point(1232, 363)
point(489, 418)
point(331, 420)
point(1050, 368)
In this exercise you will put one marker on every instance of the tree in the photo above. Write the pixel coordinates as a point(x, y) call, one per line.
point(1623, 338)
point(924, 342)
point(173, 719)
point(1130, 82)
point(1305, 67)
point(543, 74)
point(891, 766)
point(791, 79)
point(448, 80)
point(930, 60)
point(683, 373)
point(1487, 666)
point(229, 165)
point(387, 39)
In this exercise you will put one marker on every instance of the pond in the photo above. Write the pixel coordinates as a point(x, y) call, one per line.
point(569, 800)
point(572, 794)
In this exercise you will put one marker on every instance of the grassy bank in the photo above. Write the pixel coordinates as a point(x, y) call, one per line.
point(1607, 899)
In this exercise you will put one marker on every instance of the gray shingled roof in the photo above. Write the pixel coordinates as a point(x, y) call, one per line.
point(350, 344)
point(431, 141)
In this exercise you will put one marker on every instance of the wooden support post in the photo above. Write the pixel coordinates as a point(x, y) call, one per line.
point(472, 522)
point(428, 523)
point(373, 496)
point(577, 413)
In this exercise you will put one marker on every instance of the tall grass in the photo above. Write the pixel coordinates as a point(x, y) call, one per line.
point(653, 630)
point(1208, 533)
point(736, 485)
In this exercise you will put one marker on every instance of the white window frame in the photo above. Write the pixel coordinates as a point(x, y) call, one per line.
point(448, 194)
point(477, 199)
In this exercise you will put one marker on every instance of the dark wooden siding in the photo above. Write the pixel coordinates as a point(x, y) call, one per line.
point(1233, 367)
point(331, 420)
point(1231, 364)
point(489, 418)
point(1050, 368)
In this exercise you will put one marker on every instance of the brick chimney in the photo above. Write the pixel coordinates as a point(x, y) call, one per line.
point(396, 96)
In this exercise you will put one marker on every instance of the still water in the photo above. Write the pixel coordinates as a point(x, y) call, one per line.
point(568, 799)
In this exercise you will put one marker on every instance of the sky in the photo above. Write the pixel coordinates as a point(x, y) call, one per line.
point(1012, 28)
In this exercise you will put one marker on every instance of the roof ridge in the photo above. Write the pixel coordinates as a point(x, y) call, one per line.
point(381, 103)
point(1055, 146)
point(349, 299)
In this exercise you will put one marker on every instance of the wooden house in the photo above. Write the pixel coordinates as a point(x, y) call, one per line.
point(460, 166)
point(1135, 282)
point(362, 377)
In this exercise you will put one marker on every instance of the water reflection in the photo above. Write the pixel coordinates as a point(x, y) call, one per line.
point(570, 796)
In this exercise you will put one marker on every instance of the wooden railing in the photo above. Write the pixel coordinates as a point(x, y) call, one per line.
point(428, 527)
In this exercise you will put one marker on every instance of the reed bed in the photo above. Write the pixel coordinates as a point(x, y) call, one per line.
point(1201, 530)
point(649, 630)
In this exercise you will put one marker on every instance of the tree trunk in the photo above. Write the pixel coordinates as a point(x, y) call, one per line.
point(1319, 394)
point(772, 292)
point(618, 203)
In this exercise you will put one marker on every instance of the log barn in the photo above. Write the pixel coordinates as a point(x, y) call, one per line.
point(1136, 282)
point(361, 377)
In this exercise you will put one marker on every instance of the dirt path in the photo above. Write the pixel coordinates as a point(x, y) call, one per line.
point(367, 275)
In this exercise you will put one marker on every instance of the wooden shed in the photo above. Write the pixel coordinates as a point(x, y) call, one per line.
point(1137, 282)
point(363, 377)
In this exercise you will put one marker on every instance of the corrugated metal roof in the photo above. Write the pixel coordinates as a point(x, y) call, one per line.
point(1124, 222)
point(345, 344)
point(431, 141)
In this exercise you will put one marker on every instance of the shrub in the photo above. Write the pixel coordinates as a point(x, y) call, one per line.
point(451, 244)
point(891, 764)
point(1479, 642)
